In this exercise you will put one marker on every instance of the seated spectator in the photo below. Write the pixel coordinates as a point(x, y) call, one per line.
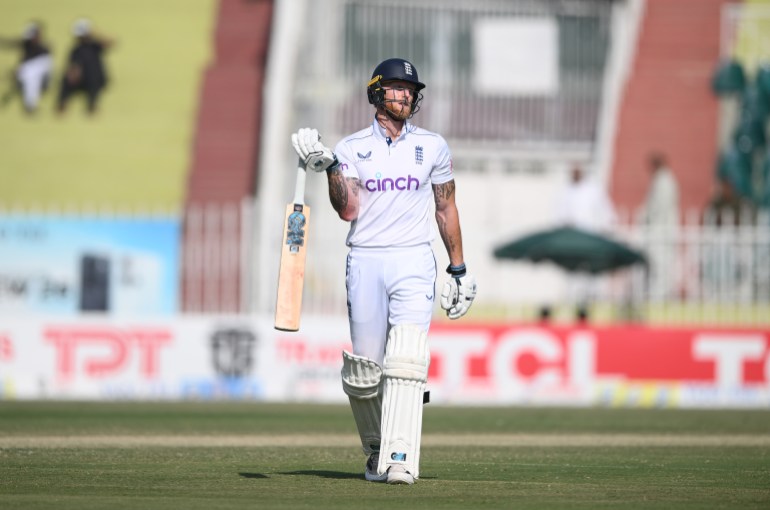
point(33, 73)
point(85, 71)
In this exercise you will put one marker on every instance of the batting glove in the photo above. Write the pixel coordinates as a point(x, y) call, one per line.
point(459, 292)
point(315, 155)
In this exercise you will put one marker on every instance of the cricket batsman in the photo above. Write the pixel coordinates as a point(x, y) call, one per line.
point(381, 180)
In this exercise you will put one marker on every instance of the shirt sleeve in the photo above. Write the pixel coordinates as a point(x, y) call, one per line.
point(442, 167)
point(345, 156)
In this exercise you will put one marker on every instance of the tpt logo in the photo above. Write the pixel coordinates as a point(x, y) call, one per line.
point(388, 184)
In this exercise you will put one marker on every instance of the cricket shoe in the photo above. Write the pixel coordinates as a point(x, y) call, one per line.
point(371, 473)
point(398, 475)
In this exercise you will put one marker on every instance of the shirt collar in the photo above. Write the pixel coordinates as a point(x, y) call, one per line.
point(380, 134)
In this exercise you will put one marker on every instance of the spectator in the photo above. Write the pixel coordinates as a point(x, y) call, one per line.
point(661, 205)
point(584, 204)
point(544, 315)
point(33, 73)
point(85, 71)
point(660, 218)
point(724, 268)
point(728, 207)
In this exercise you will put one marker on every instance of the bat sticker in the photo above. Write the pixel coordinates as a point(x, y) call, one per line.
point(295, 236)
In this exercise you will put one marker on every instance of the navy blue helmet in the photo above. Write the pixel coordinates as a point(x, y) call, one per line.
point(393, 69)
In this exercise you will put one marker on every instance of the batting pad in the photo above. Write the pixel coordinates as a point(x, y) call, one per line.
point(406, 374)
point(361, 382)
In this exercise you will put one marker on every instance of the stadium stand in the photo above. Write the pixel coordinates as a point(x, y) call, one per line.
point(224, 157)
point(228, 123)
point(678, 45)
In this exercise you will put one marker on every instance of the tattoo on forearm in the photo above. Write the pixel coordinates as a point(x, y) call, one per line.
point(443, 191)
point(354, 184)
point(338, 190)
point(339, 187)
point(442, 228)
point(446, 217)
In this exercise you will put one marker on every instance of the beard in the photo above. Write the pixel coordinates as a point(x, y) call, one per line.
point(398, 109)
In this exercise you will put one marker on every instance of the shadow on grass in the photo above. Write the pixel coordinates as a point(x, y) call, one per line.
point(253, 475)
point(338, 475)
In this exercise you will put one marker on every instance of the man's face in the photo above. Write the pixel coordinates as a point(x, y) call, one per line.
point(399, 96)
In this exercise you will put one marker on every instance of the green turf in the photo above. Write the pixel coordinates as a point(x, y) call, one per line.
point(136, 153)
point(319, 477)
point(85, 418)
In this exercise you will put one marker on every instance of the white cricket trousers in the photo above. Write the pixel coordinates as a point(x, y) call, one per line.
point(387, 287)
point(32, 75)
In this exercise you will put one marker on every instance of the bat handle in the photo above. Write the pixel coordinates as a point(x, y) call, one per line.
point(299, 187)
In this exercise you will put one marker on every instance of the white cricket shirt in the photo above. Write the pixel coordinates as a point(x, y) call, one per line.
point(395, 201)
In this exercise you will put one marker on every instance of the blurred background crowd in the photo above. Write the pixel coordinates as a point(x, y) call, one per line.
point(145, 157)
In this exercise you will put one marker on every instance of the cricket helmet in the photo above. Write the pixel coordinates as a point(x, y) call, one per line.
point(394, 69)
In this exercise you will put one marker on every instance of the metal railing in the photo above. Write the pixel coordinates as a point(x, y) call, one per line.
point(700, 271)
point(216, 257)
point(705, 270)
point(708, 269)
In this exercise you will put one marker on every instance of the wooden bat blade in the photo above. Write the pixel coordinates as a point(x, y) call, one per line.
point(291, 275)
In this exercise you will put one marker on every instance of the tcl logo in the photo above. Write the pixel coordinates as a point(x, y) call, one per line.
point(106, 351)
point(730, 354)
point(519, 358)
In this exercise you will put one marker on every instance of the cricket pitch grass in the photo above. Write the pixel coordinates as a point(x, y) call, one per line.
point(71, 455)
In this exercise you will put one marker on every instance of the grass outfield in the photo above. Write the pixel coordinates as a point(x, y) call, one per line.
point(233, 455)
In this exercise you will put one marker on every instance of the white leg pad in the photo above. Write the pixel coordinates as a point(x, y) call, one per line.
point(406, 374)
point(361, 379)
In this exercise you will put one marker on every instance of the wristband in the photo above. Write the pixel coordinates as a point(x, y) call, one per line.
point(456, 271)
point(334, 166)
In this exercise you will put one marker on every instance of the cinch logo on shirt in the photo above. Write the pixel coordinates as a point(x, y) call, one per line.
point(388, 184)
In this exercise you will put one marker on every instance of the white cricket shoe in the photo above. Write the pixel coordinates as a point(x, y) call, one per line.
point(371, 473)
point(398, 475)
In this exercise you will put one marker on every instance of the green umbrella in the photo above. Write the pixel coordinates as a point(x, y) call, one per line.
point(572, 249)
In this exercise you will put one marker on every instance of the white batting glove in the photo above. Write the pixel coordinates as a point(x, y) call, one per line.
point(459, 292)
point(315, 155)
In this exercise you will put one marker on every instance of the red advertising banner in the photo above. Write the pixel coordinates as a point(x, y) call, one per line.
point(662, 366)
point(242, 357)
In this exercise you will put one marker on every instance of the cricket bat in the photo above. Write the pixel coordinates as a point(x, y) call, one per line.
point(291, 275)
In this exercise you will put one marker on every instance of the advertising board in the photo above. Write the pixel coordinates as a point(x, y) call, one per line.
point(237, 357)
point(66, 266)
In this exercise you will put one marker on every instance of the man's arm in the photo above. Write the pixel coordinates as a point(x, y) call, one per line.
point(343, 193)
point(11, 42)
point(460, 290)
point(448, 221)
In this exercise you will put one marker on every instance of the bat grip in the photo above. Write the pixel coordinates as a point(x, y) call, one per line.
point(299, 187)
